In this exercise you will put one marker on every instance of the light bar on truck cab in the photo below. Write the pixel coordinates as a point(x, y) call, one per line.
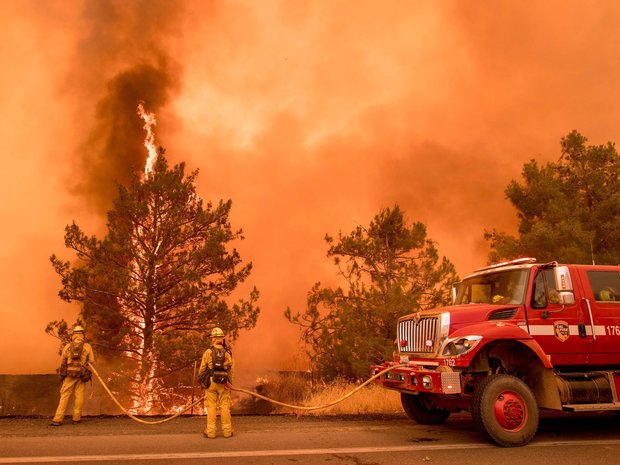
point(518, 261)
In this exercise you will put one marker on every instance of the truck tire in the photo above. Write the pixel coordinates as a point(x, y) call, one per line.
point(504, 408)
point(418, 408)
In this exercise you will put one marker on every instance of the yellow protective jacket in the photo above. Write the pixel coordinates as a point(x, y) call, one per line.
point(207, 362)
point(87, 352)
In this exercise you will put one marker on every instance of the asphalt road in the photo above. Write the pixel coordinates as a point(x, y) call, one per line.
point(356, 440)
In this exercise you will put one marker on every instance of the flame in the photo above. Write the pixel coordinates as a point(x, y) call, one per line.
point(148, 390)
point(149, 141)
point(142, 384)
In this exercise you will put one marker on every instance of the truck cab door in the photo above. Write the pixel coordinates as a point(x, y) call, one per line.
point(601, 299)
point(559, 329)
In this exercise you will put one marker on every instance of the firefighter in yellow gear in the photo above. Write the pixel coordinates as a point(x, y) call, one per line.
point(75, 374)
point(216, 376)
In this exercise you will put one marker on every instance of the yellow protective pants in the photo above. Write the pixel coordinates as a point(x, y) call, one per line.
point(218, 394)
point(70, 386)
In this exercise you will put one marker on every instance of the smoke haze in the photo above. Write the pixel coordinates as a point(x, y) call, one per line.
point(310, 116)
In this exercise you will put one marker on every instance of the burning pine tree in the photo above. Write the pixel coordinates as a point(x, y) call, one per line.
point(158, 280)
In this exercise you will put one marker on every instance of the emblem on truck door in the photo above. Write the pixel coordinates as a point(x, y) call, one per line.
point(561, 330)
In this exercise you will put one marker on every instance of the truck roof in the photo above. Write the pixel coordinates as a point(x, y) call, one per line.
point(524, 263)
point(519, 263)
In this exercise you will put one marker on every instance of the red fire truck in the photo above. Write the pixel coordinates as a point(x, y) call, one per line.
point(520, 336)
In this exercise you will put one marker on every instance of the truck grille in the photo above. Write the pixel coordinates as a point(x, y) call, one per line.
point(420, 335)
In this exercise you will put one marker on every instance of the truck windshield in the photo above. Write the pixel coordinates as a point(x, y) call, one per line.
point(502, 288)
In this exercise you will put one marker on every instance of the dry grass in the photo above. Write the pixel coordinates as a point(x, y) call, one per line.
point(289, 389)
point(298, 391)
point(369, 399)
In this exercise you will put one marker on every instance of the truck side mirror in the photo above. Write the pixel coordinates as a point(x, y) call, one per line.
point(566, 298)
point(564, 285)
point(454, 291)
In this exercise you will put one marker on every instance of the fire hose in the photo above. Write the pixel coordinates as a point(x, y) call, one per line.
point(245, 391)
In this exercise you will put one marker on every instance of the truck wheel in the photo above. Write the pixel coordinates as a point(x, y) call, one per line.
point(504, 408)
point(419, 409)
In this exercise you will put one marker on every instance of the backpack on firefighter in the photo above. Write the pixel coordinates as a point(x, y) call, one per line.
point(73, 367)
point(219, 372)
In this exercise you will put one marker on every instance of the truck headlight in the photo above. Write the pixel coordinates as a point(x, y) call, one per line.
point(457, 346)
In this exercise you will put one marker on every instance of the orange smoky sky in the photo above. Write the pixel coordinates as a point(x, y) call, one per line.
point(310, 116)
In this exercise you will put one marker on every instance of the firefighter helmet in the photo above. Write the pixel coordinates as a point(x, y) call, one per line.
point(217, 332)
point(78, 329)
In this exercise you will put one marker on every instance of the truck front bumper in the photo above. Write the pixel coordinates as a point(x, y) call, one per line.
point(415, 378)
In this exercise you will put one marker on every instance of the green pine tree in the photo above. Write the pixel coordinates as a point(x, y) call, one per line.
point(568, 210)
point(153, 287)
point(389, 269)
